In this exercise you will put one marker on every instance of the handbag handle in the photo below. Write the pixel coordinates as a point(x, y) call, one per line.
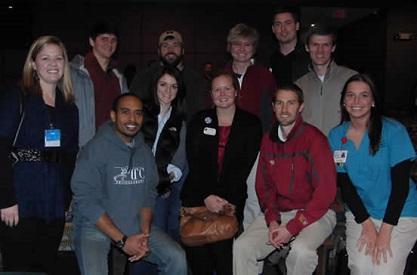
point(228, 210)
point(22, 116)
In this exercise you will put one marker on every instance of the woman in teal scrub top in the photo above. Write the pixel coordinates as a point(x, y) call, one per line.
point(373, 156)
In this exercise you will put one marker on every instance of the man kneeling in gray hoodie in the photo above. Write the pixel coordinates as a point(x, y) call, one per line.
point(114, 192)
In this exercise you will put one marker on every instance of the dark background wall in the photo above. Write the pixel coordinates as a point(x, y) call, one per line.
point(401, 60)
point(366, 34)
point(204, 28)
point(362, 46)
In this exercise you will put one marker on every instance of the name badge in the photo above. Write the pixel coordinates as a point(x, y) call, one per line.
point(52, 138)
point(340, 156)
point(209, 131)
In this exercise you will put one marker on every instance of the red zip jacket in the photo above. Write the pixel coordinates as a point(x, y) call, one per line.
point(296, 174)
point(255, 95)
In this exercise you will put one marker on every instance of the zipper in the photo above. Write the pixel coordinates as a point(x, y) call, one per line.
point(292, 178)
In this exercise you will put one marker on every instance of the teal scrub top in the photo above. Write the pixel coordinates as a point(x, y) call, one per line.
point(371, 174)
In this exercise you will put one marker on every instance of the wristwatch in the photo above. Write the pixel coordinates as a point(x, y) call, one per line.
point(121, 243)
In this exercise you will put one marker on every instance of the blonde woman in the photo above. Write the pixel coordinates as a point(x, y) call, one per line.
point(42, 118)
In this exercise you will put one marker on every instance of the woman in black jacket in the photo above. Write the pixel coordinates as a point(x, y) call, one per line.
point(164, 131)
point(222, 144)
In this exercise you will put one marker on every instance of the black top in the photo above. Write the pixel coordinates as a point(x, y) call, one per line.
point(240, 154)
point(288, 68)
point(400, 178)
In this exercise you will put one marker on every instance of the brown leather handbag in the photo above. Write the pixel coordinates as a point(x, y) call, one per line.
point(199, 226)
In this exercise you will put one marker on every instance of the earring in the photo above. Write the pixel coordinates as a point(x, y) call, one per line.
point(373, 105)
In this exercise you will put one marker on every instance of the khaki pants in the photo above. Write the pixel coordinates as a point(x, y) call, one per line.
point(252, 208)
point(251, 246)
point(403, 237)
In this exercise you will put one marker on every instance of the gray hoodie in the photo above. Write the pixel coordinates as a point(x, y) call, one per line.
point(112, 178)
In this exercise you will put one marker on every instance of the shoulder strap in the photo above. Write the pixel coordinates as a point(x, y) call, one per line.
point(21, 116)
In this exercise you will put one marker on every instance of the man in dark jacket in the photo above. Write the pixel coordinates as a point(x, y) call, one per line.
point(290, 60)
point(171, 53)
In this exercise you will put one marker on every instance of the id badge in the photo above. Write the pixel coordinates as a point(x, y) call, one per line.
point(340, 156)
point(209, 131)
point(52, 138)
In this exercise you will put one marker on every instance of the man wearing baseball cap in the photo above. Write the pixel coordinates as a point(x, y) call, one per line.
point(171, 53)
point(171, 48)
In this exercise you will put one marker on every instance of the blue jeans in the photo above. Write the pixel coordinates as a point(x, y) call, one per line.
point(167, 211)
point(167, 218)
point(92, 248)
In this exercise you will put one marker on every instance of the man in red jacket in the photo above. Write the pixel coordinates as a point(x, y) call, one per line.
point(296, 186)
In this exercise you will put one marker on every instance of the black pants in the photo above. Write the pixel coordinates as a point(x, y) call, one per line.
point(203, 260)
point(117, 261)
point(31, 246)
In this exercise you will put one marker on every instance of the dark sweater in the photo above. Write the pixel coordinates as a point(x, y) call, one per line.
point(38, 187)
point(255, 95)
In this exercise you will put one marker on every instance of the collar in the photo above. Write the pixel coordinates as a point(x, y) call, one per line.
point(329, 68)
point(273, 134)
point(180, 66)
point(90, 61)
point(299, 47)
point(163, 118)
point(281, 134)
point(240, 77)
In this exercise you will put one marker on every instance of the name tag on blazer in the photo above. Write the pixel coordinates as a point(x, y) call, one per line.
point(209, 131)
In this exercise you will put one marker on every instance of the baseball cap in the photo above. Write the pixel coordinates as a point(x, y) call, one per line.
point(171, 34)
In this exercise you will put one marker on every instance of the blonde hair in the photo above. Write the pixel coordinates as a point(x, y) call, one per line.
point(243, 31)
point(30, 79)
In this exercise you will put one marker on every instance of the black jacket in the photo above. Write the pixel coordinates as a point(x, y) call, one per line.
point(168, 143)
point(240, 154)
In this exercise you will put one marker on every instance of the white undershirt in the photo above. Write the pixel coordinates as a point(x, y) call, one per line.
point(240, 78)
point(162, 120)
point(281, 134)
